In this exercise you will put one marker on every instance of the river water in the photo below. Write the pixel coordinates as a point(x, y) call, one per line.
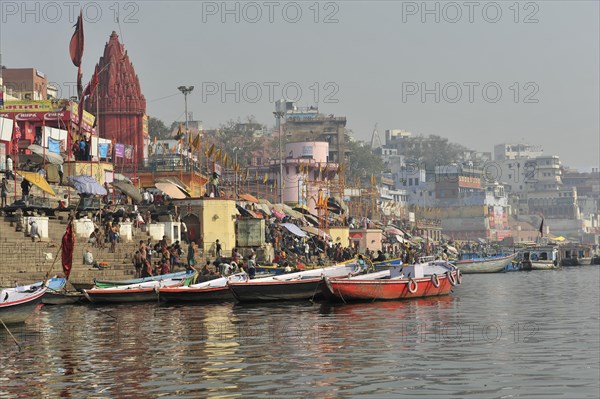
point(513, 335)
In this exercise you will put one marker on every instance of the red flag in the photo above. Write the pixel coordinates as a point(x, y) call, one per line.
point(76, 49)
point(68, 244)
point(89, 91)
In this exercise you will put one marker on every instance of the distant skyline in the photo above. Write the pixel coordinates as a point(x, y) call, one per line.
point(514, 74)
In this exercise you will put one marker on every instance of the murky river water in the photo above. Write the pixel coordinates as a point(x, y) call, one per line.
point(514, 335)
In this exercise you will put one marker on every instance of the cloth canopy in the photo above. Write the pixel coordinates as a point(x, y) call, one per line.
point(87, 185)
point(37, 180)
point(316, 231)
point(128, 189)
point(170, 189)
point(292, 228)
point(394, 231)
point(264, 208)
point(51, 157)
point(248, 198)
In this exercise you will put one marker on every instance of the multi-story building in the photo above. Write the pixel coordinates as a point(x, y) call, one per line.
point(503, 152)
point(308, 124)
point(25, 83)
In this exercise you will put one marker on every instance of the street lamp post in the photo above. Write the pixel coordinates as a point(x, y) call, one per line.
point(186, 90)
point(278, 116)
point(235, 183)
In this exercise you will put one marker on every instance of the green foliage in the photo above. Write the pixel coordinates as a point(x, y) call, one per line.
point(157, 128)
point(243, 135)
point(431, 151)
point(363, 163)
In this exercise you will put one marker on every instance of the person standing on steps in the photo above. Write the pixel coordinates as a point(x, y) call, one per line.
point(218, 249)
point(9, 168)
point(4, 191)
point(25, 187)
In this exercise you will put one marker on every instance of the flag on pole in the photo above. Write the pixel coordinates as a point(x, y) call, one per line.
point(211, 150)
point(542, 228)
point(89, 91)
point(76, 50)
point(218, 155)
point(196, 142)
point(265, 178)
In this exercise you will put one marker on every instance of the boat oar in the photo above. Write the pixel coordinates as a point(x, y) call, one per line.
point(11, 335)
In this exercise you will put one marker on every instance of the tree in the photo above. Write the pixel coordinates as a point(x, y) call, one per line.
point(157, 128)
point(431, 151)
point(243, 136)
point(363, 163)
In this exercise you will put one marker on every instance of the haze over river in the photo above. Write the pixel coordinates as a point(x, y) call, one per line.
point(512, 335)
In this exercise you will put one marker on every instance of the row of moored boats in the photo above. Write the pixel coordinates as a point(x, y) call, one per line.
point(348, 281)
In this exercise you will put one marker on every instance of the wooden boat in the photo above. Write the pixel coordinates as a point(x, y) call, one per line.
point(140, 292)
point(58, 295)
point(116, 283)
point(212, 290)
point(17, 304)
point(540, 258)
point(291, 286)
point(386, 264)
point(398, 282)
point(473, 263)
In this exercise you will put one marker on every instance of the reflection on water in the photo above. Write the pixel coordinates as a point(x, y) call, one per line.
point(503, 335)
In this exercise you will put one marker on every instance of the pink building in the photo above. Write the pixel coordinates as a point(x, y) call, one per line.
point(306, 170)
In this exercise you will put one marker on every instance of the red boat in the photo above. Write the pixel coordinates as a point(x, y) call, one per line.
point(431, 278)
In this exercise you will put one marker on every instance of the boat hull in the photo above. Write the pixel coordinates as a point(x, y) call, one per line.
point(18, 311)
point(276, 290)
point(492, 265)
point(106, 295)
point(549, 265)
point(219, 294)
point(53, 298)
point(386, 290)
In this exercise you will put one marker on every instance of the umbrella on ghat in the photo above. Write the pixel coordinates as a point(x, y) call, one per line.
point(37, 180)
point(87, 185)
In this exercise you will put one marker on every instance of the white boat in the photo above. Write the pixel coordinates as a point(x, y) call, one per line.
point(17, 304)
point(540, 258)
point(141, 292)
point(487, 264)
point(211, 290)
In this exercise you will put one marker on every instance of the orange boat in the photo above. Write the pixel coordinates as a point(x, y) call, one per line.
point(429, 278)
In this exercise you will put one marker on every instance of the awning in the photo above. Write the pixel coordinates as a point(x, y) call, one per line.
point(292, 228)
point(37, 180)
point(248, 198)
point(175, 182)
point(356, 235)
point(277, 214)
point(263, 208)
point(128, 189)
point(51, 157)
point(394, 231)
point(315, 231)
point(170, 189)
point(399, 239)
point(87, 185)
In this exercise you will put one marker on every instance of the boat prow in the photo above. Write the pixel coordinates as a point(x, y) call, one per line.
point(17, 304)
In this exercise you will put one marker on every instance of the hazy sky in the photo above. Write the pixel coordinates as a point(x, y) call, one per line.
point(479, 73)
